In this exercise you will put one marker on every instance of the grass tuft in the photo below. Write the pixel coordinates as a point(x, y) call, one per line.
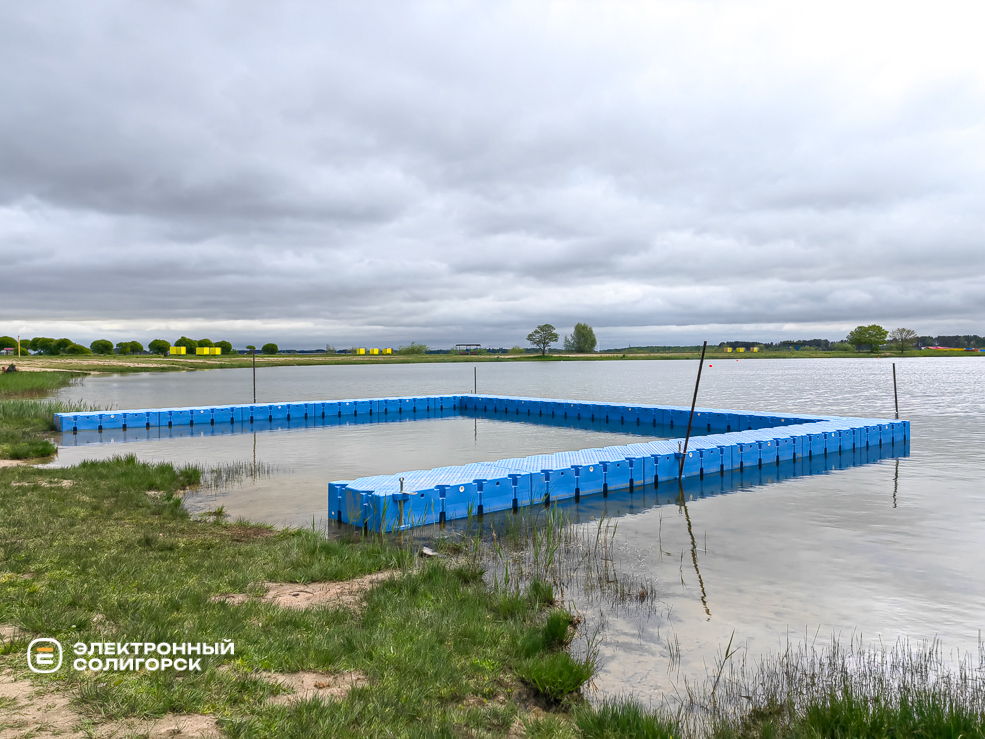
point(555, 675)
point(541, 593)
point(30, 449)
point(548, 727)
point(622, 719)
point(556, 633)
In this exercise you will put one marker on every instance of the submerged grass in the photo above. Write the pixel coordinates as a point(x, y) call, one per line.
point(541, 547)
point(223, 476)
point(850, 690)
point(838, 691)
point(842, 692)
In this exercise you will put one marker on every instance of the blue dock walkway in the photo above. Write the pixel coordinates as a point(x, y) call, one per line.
point(733, 440)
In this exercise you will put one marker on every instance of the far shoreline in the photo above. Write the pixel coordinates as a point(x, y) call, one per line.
point(122, 364)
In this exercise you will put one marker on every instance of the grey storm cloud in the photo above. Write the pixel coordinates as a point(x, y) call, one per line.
point(327, 172)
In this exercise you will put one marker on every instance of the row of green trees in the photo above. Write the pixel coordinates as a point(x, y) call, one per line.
point(582, 339)
point(45, 345)
point(159, 346)
point(53, 347)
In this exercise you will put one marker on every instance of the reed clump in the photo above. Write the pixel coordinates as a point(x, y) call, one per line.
point(26, 426)
point(35, 384)
point(847, 690)
point(844, 691)
point(219, 477)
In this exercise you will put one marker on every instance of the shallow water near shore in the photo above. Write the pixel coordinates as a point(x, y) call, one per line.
point(890, 547)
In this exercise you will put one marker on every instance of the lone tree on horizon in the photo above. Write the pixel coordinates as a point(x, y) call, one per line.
point(872, 336)
point(902, 337)
point(582, 339)
point(542, 337)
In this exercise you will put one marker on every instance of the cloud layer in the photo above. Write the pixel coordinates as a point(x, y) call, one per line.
point(442, 172)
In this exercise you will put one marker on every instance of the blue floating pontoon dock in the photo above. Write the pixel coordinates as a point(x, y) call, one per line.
point(735, 440)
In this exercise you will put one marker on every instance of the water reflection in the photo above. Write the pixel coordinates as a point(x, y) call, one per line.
point(694, 551)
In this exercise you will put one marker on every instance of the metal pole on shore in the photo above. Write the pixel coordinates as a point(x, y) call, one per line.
point(694, 400)
point(254, 375)
point(895, 394)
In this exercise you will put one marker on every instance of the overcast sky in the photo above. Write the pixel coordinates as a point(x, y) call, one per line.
point(372, 173)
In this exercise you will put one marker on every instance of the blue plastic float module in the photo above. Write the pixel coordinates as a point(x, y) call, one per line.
point(736, 440)
point(382, 408)
point(514, 408)
point(394, 502)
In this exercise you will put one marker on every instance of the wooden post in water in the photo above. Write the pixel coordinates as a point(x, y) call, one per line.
point(895, 394)
point(254, 375)
point(475, 380)
point(690, 420)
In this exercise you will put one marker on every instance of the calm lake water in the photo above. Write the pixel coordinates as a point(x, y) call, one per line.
point(886, 549)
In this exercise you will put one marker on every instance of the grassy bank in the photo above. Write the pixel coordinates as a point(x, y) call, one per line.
point(105, 552)
point(25, 417)
point(140, 363)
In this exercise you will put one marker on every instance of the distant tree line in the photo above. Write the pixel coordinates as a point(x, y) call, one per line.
point(582, 341)
point(54, 347)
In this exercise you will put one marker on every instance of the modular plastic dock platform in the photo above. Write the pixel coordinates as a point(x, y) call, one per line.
point(735, 440)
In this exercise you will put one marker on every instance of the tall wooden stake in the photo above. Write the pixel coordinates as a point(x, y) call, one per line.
point(895, 394)
point(254, 375)
point(690, 420)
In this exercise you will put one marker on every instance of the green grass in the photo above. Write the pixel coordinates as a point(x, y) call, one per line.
point(557, 675)
point(12, 446)
point(26, 426)
point(26, 420)
point(104, 551)
point(34, 384)
point(852, 691)
point(623, 719)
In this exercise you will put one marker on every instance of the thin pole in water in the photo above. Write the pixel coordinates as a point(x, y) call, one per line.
point(475, 380)
point(895, 394)
point(694, 400)
point(254, 375)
